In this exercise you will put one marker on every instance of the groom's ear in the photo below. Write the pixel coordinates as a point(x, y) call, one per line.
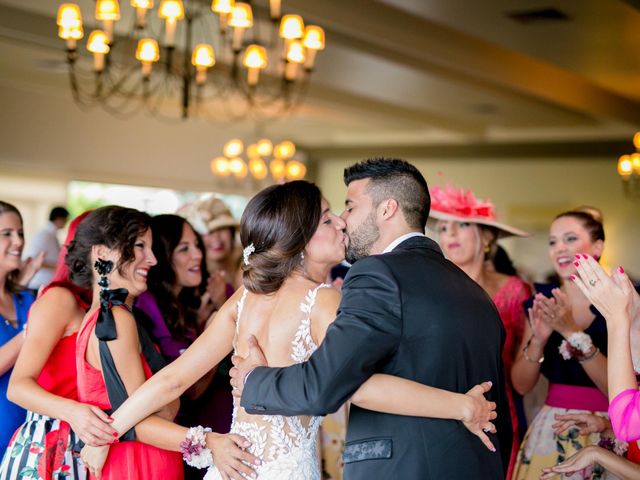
point(388, 208)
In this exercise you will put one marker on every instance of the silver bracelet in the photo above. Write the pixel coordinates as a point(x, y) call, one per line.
point(525, 353)
point(590, 356)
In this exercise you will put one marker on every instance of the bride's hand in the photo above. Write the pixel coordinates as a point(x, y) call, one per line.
point(479, 413)
point(229, 456)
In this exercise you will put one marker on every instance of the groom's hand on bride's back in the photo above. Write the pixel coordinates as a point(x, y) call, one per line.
point(243, 366)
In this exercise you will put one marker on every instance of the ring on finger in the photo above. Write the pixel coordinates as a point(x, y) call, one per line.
point(593, 282)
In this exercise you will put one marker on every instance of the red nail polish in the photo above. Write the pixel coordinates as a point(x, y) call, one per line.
point(586, 257)
point(115, 434)
point(576, 264)
point(578, 256)
point(620, 269)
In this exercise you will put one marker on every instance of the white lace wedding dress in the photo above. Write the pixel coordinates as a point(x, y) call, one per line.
point(286, 445)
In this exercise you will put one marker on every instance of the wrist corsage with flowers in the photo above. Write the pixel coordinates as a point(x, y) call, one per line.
point(194, 448)
point(614, 445)
point(578, 346)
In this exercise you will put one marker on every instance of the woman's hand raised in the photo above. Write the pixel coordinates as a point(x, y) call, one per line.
point(613, 296)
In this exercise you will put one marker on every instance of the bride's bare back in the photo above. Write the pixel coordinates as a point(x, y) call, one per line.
point(275, 319)
point(289, 324)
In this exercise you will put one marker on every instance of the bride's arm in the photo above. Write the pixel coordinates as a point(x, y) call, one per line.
point(399, 396)
point(169, 383)
point(164, 387)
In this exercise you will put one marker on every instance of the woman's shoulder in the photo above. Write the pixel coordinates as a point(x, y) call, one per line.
point(518, 286)
point(327, 300)
point(57, 293)
point(58, 301)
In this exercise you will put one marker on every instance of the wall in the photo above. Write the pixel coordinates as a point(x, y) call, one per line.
point(34, 197)
point(527, 194)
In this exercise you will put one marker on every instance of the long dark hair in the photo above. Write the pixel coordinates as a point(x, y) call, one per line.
point(116, 227)
point(11, 284)
point(279, 222)
point(180, 312)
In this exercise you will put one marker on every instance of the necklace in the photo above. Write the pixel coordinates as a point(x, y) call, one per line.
point(11, 322)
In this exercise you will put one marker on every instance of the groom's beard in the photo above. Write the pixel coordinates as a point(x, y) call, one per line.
point(361, 240)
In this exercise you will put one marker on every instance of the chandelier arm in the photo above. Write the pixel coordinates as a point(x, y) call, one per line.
point(122, 89)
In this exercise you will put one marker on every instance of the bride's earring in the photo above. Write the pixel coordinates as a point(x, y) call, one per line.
point(302, 258)
point(104, 268)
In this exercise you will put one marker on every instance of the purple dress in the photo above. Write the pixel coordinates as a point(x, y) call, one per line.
point(215, 406)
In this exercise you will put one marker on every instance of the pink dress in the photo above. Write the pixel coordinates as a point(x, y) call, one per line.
point(126, 460)
point(509, 300)
point(624, 412)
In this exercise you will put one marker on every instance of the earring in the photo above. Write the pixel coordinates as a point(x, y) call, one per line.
point(302, 258)
point(487, 249)
point(104, 268)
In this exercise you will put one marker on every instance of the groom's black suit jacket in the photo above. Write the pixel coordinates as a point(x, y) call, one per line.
point(413, 314)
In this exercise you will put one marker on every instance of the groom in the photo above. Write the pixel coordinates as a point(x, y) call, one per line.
point(405, 311)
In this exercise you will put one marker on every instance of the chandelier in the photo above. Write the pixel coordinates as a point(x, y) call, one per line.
point(187, 58)
point(261, 159)
point(629, 169)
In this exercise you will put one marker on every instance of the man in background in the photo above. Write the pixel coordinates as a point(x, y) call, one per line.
point(46, 241)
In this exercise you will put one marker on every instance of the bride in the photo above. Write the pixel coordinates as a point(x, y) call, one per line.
point(292, 240)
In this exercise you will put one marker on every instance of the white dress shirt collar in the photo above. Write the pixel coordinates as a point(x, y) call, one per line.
point(401, 239)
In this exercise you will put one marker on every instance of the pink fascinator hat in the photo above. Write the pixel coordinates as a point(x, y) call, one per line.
point(449, 203)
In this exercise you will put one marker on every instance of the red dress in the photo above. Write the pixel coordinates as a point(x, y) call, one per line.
point(509, 300)
point(126, 460)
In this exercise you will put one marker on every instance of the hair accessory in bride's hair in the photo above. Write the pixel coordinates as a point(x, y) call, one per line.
point(247, 252)
point(194, 448)
point(104, 268)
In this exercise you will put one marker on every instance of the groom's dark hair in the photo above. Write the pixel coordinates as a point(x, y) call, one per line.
point(397, 179)
point(279, 222)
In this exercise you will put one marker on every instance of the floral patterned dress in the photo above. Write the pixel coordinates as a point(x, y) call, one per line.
point(42, 447)
point(541, 447)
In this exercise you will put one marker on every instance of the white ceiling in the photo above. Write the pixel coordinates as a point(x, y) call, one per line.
point(395, 73)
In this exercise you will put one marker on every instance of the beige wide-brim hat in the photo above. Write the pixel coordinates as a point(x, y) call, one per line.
point(462, 206)
point(208, 215)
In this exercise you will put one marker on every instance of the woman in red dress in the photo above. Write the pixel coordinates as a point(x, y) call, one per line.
point(467, 230)
point(44, 382)
point(112, 251)
point(108, 350)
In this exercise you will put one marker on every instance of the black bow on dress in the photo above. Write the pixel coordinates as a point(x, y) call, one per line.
point(106, 324)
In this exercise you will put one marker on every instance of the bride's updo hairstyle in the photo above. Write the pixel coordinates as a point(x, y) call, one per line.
point(116, 227)
point(279, 222)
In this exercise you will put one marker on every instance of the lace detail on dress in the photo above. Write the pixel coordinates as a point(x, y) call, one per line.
point(303, 345)
point(286, 445)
